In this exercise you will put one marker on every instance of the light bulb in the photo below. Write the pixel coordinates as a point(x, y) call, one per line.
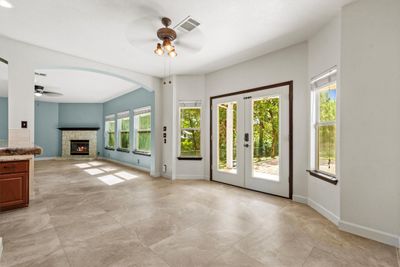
point(172, 53)
point(167, 45)
point(38, 94)
point(159, 51)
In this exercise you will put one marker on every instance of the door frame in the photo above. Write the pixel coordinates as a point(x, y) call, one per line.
point(290, 85)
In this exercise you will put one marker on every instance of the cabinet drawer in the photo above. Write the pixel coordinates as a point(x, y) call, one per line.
point(14, 166)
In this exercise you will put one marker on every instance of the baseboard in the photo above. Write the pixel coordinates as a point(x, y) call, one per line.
point(46, 158)
point(370, 233)
point(190, 177)
point(300, 199)
point(155, 174)
point(125, 164)
point(323, 211)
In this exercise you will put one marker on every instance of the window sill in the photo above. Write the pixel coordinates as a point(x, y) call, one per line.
point(109, 148)
point(190, 158)
point(123, 150)
point(141, 153)
point(324, 177)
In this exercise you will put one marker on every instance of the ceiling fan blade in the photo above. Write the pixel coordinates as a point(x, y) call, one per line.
point(49, 93)
point(142, 32)
point(192, 41)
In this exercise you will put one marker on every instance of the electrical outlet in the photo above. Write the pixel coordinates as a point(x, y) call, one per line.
point(164, 168)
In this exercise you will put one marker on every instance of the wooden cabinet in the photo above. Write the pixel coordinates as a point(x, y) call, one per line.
point(14, 184)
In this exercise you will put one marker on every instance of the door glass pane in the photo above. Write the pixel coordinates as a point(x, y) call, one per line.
point(266, 138)
point(327, 149)
point(227, 137)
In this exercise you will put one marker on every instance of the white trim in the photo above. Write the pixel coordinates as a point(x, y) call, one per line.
point(190, 177)
point(370, 233)
point(155, 174)
point(299, 199)
point(323, 211)
point(126, 164)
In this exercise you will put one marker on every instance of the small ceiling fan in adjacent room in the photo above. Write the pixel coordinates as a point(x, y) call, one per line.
point(145, 33)
point(41, 90)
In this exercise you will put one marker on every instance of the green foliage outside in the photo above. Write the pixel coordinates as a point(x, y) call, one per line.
point(265, 128)
point(124, 133)
point(222, 108)
point(190, 132)
point(110, 130)
point(327, 133)
point(144, 133)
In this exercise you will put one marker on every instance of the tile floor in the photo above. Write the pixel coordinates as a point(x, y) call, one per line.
point(101, 214)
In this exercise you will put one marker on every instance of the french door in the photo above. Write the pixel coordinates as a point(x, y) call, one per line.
point(251, 139)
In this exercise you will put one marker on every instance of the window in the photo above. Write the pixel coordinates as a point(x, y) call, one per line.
point(142, 122)
point(324, 122)
point(123, 130)
point(190, 120)
point(109, 131)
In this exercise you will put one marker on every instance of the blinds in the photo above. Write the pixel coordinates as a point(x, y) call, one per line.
point(110, 117)
point(140, 111)
point(191, 104)
point(123, 114)
point(324, 78)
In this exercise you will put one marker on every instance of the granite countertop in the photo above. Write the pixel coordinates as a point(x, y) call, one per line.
point(12, 151)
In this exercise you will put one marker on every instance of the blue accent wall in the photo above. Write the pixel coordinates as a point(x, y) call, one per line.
point(50, 116)
point(47, 135)
point(130, 101)
point(4, 118)
point(83, 115)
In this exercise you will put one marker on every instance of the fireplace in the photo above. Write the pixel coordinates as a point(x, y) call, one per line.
point(79, 147)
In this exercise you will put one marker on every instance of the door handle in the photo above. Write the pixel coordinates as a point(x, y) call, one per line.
point(246, 137)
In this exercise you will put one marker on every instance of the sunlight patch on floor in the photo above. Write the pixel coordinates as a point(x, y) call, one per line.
point(96, 163)
point(94, 171)
point(126, 175)
point(110, 179)
point(83, 165)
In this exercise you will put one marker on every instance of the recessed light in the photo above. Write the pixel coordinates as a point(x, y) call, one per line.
point(6, 4)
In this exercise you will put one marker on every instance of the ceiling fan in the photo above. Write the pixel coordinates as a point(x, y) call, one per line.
point(185, 36)
point(39, 90)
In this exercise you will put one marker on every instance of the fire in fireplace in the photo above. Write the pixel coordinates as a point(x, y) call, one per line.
point(79, 147)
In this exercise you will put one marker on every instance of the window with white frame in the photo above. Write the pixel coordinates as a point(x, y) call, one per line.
point(109, 131)
point(190, 125)
point(123, 128)
point(324, 122)
point(142, 135)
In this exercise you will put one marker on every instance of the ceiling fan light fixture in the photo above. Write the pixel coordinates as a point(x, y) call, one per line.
point(167, 45)
point(172, 53)
point(38, 94)
point(159, 51)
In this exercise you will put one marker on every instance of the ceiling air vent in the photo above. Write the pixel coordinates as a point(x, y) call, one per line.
point(187, 25)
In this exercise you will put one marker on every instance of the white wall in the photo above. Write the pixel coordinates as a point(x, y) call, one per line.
point(280, 66)
point(188, 88)
point(323, 54)
point(167, 91)
point(370, 182)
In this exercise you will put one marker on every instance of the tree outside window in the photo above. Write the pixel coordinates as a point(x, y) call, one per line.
point(143, 130)
point(110, 133)
point(190, 131)
point(123, 131)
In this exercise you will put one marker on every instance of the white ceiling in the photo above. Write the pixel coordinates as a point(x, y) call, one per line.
point(231, 30)
point(79, 86)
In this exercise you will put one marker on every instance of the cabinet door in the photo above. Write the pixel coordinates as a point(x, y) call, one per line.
point(13, 190)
